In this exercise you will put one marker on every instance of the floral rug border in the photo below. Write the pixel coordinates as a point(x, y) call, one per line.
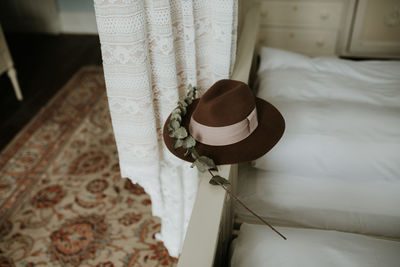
point(29, 177)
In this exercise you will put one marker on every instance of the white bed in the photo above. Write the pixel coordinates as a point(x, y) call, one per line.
point(312, 194)
point(367, 207)
point(338, 163)
point(257, 246)
point(337, 167)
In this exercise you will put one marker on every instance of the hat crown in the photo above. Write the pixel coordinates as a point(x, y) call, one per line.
point(227, 102)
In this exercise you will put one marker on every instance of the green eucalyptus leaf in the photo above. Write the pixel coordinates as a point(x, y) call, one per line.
point(174, 124)
point(178, 143)
point(177, 111)
point(207, 161)
point(188, 100)
point(180, 133)
point(176, 116)
point(183, 111)
point(190, 94)
point(169, 127)
point(189, 142)
point(187, 153)
point(201, 166)
point(182, 103)
point(195, 155)
point(217, 180)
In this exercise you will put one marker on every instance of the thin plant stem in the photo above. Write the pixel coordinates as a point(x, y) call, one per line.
point(248, 209)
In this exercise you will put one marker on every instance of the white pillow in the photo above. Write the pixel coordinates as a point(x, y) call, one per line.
point(272, 58)
point(350, 120)
point(305, 85)
point(258, 246)
point(316, 155)
point(339, 139)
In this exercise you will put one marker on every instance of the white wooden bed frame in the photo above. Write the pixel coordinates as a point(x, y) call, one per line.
point(210, 228)
point(211, 225)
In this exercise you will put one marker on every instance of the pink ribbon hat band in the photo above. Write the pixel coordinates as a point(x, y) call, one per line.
point(225, 135)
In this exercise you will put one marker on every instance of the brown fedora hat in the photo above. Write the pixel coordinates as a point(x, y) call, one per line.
point(230, 124)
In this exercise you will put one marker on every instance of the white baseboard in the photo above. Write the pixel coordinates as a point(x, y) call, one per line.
point(78, 22)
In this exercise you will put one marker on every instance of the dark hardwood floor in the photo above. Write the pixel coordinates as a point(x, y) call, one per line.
point(44, 63)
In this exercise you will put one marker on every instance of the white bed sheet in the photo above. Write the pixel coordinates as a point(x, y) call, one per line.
point(370, 207)
point(257, 246)
point(337, 165)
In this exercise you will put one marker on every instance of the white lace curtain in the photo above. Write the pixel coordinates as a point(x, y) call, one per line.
point(152, 49)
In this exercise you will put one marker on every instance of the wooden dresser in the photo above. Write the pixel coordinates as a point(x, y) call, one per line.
point(376, 29)
point(359, 28)
point(310, 27)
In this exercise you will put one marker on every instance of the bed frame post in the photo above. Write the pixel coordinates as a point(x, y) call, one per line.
point(210, 227)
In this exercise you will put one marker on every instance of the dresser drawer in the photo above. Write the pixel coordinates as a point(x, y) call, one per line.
point(376, 30)
point(310, 42)
point(308, 13)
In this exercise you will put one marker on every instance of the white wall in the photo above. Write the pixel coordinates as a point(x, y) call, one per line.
point(48, 16)
point(77, 16)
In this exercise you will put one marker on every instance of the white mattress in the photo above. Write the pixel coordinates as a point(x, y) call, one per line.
point(337, 165)
point(370, 207)
point(257, 246)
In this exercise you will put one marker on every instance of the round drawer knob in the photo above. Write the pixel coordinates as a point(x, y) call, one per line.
point(264, 13)
point(393, 19)
point(324, 16)
point(320, 43)
point(291, 35)
point(295, 8)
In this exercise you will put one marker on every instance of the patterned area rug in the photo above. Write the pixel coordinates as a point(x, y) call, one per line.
point(63, 201)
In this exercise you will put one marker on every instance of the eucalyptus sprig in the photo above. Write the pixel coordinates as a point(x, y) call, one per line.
point(185, 140)
point(202, 163)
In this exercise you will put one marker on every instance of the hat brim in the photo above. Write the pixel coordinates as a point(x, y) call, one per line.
point(271, 126)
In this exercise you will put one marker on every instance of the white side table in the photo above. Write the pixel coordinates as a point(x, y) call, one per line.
point(7, 65)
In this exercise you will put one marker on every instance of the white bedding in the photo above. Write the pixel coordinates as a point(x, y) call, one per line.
point(342, 117)
point(257, 246)
point(335, 138)
point(369, 207)
point(285, 75)
point(337, 165)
